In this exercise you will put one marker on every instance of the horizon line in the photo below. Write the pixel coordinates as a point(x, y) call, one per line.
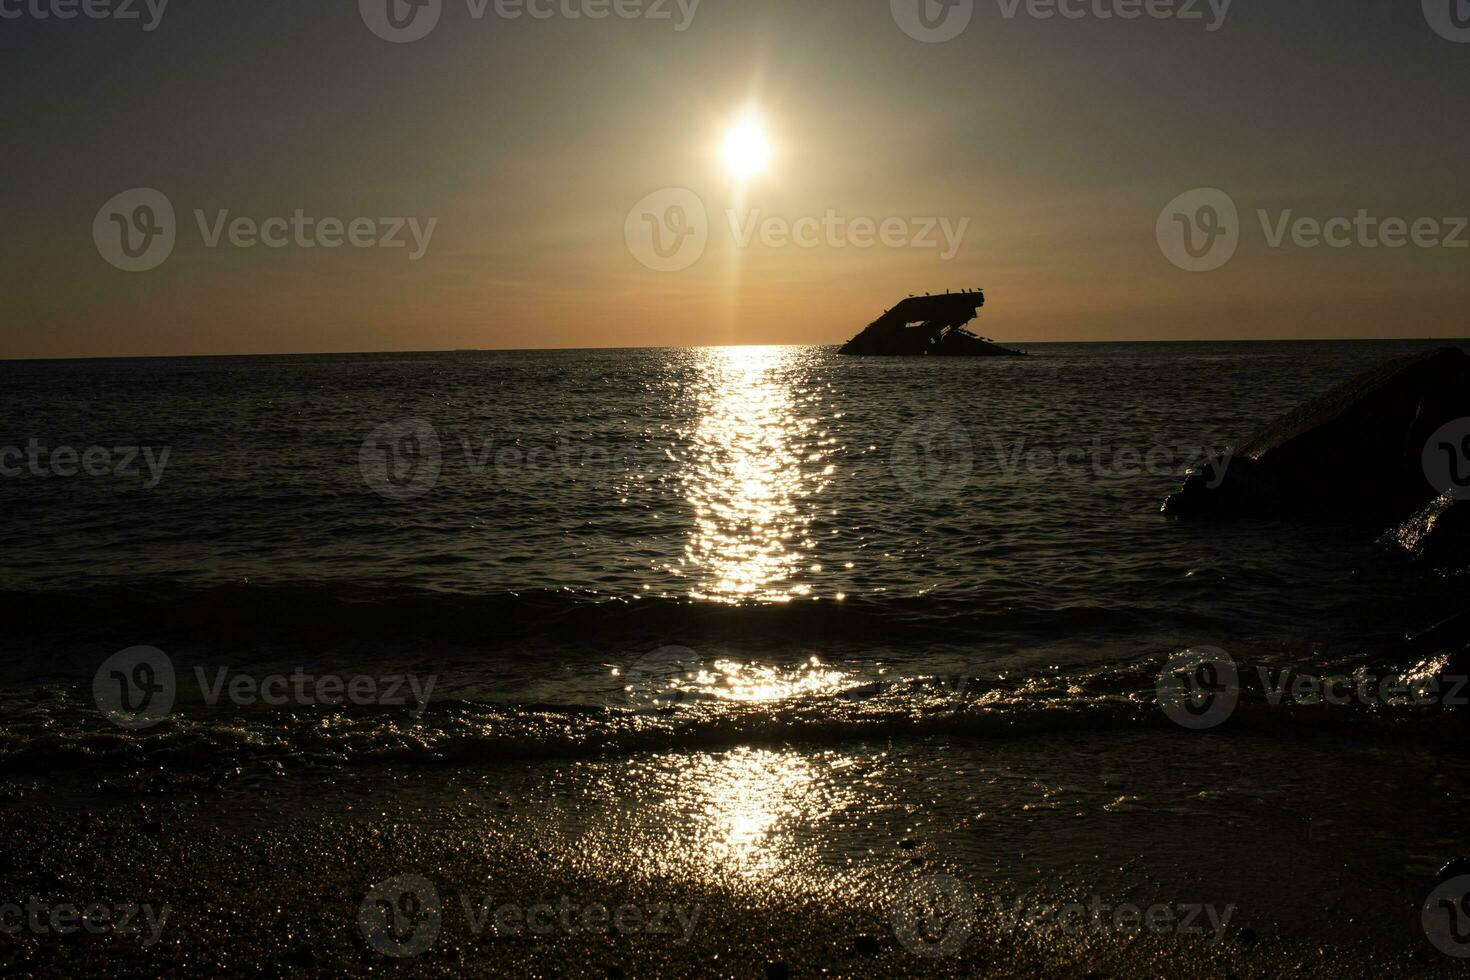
point(540, 350)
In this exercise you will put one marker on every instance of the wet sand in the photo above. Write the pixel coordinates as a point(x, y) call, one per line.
point(748, 863)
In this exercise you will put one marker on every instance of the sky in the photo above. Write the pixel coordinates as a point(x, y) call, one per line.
point(563, 181)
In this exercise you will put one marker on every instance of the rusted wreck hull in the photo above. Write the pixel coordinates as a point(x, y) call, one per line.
point(928, 325)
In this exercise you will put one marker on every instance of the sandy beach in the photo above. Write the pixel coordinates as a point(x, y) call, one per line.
point(749, 862)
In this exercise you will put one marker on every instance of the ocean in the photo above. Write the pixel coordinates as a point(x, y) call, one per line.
point(932, 598)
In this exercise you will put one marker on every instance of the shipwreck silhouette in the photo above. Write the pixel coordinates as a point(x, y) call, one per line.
point(928, 325)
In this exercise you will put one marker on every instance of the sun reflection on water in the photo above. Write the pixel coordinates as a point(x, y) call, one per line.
point(736, 681)
point(757, 460)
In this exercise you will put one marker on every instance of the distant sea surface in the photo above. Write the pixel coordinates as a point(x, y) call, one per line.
point(597, 552)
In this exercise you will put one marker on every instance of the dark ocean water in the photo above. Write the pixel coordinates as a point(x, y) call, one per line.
point(600, 551)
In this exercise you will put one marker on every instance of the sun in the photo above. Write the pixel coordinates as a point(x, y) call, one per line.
point(746, 150)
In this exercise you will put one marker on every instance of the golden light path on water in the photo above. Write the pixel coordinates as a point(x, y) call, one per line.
point(732, 680)
point(758, 459)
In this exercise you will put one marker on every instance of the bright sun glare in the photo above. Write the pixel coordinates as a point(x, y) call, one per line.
point(746, 150)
